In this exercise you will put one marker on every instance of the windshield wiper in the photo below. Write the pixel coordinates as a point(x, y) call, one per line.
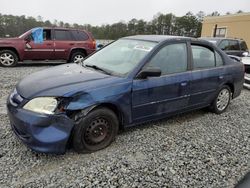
point(98, 68)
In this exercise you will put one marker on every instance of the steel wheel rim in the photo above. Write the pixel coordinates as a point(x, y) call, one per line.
point(98, 131)
point(7, 59)
point(78, 59)
point(223, 99)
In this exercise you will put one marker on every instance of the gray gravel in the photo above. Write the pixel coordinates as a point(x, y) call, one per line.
point(197, 149)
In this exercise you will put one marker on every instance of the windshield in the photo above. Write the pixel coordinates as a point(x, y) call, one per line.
point(120, 57)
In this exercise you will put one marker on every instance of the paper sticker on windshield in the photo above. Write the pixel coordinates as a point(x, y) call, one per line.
point(144, 48)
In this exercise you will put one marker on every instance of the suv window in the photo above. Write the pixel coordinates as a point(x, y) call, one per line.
point(80, 35)
point(171, 59)
point(234, 45)
point(243, 46)
point(46, 35)
point(203, 57)
point(229, 45)
point(62, 35)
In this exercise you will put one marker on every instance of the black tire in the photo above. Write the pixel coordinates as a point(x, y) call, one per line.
point(77, 57)
point(94, 131)
point(218, 107)
point(8, 58)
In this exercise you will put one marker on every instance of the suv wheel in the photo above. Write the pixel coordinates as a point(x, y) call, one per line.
point(94, 131)
point(77, 57)
point(8, 58)
point(222, 100)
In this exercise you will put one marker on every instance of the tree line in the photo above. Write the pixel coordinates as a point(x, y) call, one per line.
point(163, 24)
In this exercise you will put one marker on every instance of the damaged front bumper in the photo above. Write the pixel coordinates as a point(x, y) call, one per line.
point(40, 132)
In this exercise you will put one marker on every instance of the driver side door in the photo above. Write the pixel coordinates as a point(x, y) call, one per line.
point(43, 51)
point(157, 96)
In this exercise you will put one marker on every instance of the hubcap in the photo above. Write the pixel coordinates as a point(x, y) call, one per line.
point(97, 131)
point(223, 99)
point(7, 59)
point(78, 59)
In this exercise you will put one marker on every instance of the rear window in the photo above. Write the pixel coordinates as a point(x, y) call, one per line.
point(80, 35)
point(62, 35)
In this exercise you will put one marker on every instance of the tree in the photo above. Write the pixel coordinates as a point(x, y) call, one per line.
point(163, 24)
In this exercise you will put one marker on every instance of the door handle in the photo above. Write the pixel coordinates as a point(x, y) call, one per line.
point(49, 44)
point(184, 84)
point(71, 44)
point(221, 77)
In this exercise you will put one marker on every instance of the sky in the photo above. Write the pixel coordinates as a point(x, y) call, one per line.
point(97, 12)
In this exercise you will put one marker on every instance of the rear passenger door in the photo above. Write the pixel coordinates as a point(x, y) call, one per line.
point(64, 41)
point(207, 75)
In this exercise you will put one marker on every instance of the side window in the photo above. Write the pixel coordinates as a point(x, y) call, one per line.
point(62, 35)
point(224, 45)
point(46, 34)
point(83, 36)
point(202, 57)
point(80, 35)
point(171, 59)
point(219, 61)
point(234, 45)
point(243, 46)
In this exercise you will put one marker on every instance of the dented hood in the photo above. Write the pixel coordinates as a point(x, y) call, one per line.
point(60, 80)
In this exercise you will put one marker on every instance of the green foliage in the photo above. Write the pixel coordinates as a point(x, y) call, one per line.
point(162, 24)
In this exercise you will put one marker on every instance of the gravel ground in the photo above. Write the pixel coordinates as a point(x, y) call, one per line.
point(197, 149)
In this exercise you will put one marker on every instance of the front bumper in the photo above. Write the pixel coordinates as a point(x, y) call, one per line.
point(40, 132)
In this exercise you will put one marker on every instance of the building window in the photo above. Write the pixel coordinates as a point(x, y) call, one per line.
point(221, 32)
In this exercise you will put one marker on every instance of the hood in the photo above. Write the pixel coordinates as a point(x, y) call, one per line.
point(59, 80)
point(9, 40)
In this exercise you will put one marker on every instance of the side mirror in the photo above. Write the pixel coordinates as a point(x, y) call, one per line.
point(149, 72)
point(245, 54)
point(28, 39)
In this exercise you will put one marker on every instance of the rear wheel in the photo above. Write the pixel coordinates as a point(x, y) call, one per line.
point(94, 131)
point(8, 58)
point(77, 57)
point(222, 100)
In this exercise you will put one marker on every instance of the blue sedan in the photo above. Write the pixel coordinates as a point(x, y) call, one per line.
point(132, 80)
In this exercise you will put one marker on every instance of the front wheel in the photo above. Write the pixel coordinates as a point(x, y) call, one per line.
point(8, 58)
point(94, 131)
point(77, 57)
point(222, 100)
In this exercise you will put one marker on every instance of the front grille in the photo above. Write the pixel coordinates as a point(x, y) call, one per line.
point(15, 98)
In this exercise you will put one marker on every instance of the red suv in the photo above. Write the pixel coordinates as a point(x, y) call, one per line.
point(70, 45)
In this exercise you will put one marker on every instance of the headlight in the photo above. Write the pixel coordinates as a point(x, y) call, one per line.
point(45, 105)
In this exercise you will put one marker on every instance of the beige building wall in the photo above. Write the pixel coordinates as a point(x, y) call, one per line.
point(237, 26)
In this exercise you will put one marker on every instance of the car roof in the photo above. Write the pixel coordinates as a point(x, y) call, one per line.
point(219, 38)
point(63, 28)
point(155, 38)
